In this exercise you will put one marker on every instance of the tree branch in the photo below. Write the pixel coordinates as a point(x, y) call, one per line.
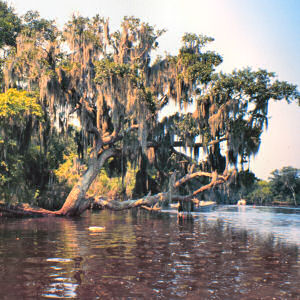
point(161, 197)
point(122, 205)
point(25, 210)
point(163, 101)
point(189, 159)
point(147, 201)
point(182, 144)
point(191, 176)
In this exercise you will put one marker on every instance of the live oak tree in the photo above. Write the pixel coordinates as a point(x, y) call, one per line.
point(26, 166)
point(10, 25)
point(117, 89)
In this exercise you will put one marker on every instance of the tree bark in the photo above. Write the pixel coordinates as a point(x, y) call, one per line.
point(25, 210)
point(163, 197)
point(76, 202)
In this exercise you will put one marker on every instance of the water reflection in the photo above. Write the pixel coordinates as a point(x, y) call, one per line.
point(140, 255)
point(282, 223)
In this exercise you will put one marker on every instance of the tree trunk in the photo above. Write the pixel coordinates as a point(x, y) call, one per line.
point(76, 201)
point(150, 200)
point(294, 195)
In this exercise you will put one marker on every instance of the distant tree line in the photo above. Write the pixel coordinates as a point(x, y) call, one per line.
point(282, 188)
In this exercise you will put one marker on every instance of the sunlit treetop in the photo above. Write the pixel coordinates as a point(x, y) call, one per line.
point(10, 25)
point(110, 81)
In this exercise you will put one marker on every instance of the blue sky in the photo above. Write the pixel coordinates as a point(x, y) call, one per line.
point(256, 33)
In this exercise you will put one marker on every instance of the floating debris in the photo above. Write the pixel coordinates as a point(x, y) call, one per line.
point(96, 228)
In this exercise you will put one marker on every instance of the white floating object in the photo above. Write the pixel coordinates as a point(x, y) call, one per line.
point(59, 259)
point(96, 228)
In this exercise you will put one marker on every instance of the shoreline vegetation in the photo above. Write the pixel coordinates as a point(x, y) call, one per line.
point(81, 116)
point(24, 210)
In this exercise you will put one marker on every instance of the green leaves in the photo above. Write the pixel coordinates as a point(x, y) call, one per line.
point(17, 105)
point(285, 184)
point(283, 187)
point(284, 90)
point(9, 25)
point(34, 25)
point(107, 69)
point(186, 128)
point(195, 42)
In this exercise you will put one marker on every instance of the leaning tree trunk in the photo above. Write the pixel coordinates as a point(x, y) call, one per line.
point(76, 201)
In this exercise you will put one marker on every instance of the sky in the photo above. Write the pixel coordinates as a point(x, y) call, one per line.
point(255, 33)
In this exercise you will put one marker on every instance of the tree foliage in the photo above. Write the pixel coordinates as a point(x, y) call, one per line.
point(111, 84)
point(285, 185)
point(283, 188)
point(16, 106)
point(18, 112)
point(10, 25)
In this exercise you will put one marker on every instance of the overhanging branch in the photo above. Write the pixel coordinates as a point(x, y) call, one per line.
point(199, 145)
point(161, 197)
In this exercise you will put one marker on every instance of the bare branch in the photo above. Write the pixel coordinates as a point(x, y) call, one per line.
point(150, 201)
point(145, 201)
point(25, 210)
point(115, 136)
point(163, 101)
point(153, 208)
point(184, 156)
point(191, 176)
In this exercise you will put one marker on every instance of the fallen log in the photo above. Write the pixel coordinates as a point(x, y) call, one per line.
point(150, 201)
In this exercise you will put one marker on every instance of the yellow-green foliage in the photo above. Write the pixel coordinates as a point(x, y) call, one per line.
point(18, 104)
point(17, 109)
point(112, 187)
point(105, 186)
point(70, 171)
point(130, 180)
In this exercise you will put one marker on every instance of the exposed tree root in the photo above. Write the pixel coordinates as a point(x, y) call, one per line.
point(25, 210)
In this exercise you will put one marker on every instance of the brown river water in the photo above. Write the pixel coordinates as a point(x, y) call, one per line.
point(230, 253)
